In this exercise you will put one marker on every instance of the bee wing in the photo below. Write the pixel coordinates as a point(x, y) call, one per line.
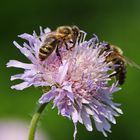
point(132, 63)
point(46, 38)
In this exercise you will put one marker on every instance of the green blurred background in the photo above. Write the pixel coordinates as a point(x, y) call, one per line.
point(116, 21)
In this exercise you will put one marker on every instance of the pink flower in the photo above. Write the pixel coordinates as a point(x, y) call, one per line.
point(79, 85)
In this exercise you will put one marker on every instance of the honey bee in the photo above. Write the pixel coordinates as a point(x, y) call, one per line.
point(119, 62)
point(60, 37)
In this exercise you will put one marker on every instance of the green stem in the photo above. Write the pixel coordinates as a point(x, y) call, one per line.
point(34, 121)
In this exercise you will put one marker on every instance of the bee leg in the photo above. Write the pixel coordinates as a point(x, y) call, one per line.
point(113, 74)
point(74, 42)
point(70, 41)
point(66, 45)
point(58, 54)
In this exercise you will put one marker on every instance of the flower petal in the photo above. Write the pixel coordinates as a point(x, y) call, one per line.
point(21, 86)
point(18, 64)
point(86, 120)
point(26, 52)
point(75, 116)
point(48, 96)
point(58, 99)
point(62, 72)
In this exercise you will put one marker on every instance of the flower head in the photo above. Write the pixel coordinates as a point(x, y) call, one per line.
point(79, 82)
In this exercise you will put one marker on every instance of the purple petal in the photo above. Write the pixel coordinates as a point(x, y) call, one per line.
point(47, 30)
point(35, 34)
point(26, 36)
point(41, 31)
point(62, 72)
point(15, 77)
point(32, 40)
point(18, 64)
point(26, 52)
point(103, 126)
point(117, 109)
point(67, 87)
point(108, 114)
point(65, 109)
point(70, 95)
point(86, 120)
point(58, 98)
point(21, 86)
point(69, 92)
point(75, 116)
point(48, 96)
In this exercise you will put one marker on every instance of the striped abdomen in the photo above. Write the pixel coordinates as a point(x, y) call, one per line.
point(46, 50)
point(120, 69)
point(121, 72)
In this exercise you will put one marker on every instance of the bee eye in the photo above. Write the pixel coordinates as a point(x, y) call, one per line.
point(76, 33)
point(75, 30)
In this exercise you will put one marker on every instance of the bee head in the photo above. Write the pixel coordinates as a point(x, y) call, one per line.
point(75, 30)
point(64, 30)
point(106, 46)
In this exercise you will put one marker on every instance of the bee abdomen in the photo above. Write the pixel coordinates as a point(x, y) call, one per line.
point(122, 75)
point(120, 69)
point(45, 51)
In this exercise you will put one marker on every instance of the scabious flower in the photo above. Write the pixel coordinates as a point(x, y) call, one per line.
point(79, 83)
